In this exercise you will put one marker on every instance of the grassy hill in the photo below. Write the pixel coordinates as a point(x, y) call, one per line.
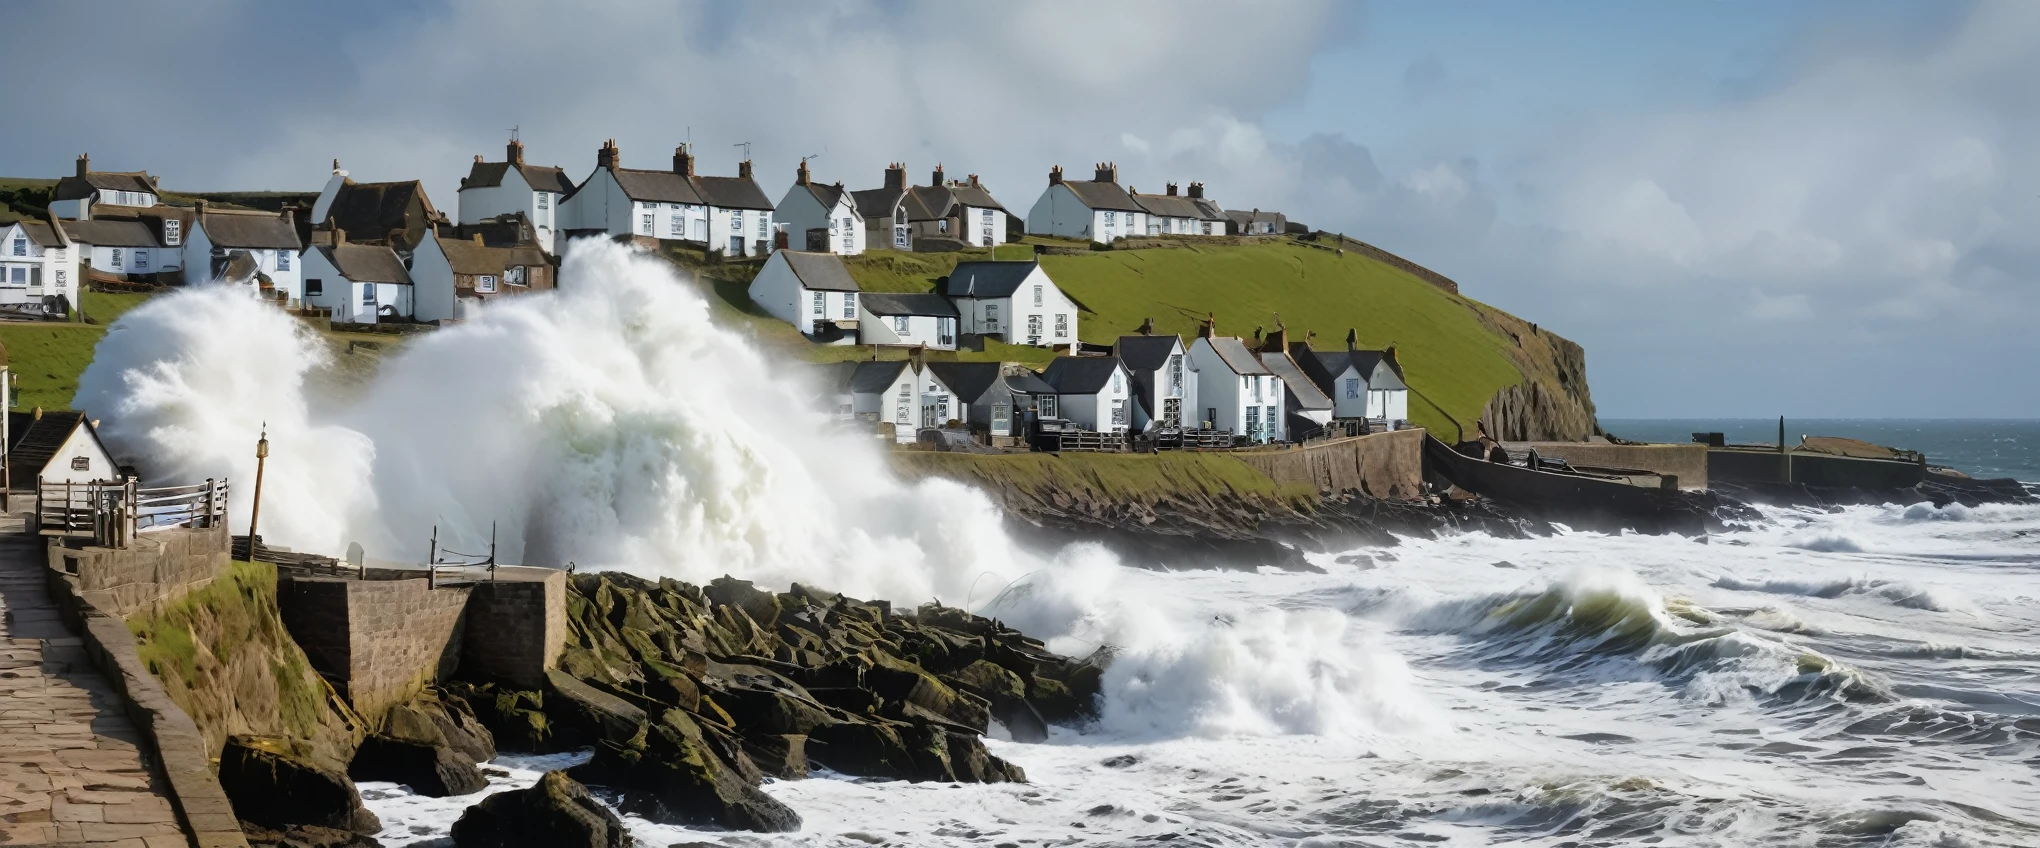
point(1458, 353)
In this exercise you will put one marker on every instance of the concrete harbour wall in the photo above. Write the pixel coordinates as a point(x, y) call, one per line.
point(1388, 466)
point(1687, 462)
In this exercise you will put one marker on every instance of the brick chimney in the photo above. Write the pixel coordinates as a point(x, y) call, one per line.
point(84, 164)
point(609, 156)
point(515, 150)
point(744, 169)
point(1209, 328)
point(683, 161)
point(936, 179)
point(800, 177)
point(896, 175)
point(974, 182)
point(1352, 339)
point(1055, 175)
point(1108, 172)
point(1172, 190)
point(1196, 191)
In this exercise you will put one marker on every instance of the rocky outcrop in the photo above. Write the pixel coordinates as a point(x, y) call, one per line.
point(276, 785)
point(1533, 412)
point(433, 771)
point(556, 812)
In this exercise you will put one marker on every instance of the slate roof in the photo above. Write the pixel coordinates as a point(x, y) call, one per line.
point(1080, 375)
point(36, 441)
point(467, 257)
point(41, 233)
point(1236, 355)
point(1145, 353)
point(974, 195)
point(1334, 362)
point(885, 303)
point(1179, 206)
point(370, 211)
point(819, 271)
point(988, 279)
point(876, 377)
point(1245, 217)
point(75, 187)
point(1303, 393)
point(539, 177)
point(877, 202)
point(250, 230)
point(732, 193)
point(1028, 383)
point(827, 195)
point(112, 233)
point(366, 263)
point(969, 380)
point(1099, 195)
point(656, 186)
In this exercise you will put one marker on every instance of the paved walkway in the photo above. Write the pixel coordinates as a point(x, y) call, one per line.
point(72, 767)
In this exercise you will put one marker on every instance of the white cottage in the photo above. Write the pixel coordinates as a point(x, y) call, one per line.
point(1015, 301)
point(1094, 210)
point(132, 247)
point(1096, 392)
point(493, 189)
point(264, 243)
point(1231, 389)
point(1159, 378)
point(820, 218)
point(55, 447)
point(76, 196)
point(1171, 214)
point(951, 213)
point(921, 320)
point(1362, 384)
point(360, 283)
point(451, 276)
point(1306, 408)
point(726, 214)
point(36, 262)
point(811, 291)
point(888, 392)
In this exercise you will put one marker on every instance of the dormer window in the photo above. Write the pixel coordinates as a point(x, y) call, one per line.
point(20, 246)
point(173, 232)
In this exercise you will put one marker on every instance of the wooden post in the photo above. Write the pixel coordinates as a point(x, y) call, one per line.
point(255, 512)
point(208, 502)
point(1784, 452)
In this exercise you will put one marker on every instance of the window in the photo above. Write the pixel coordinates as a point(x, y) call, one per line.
point(673, 206)
point(283, 260)
point(899, 324)
point(81, 463)
point(991, 317)
point(63, 279)
point(1111, 220)
point(173, 231)
point(1118, 382)
point(645, 223)
point(764, 226)
point(368, 295)
point(1352, 388)
point(1253, 421)
point(1002, 418)
point(315, 287)
point(1062, 326)
point(945, 331)
point(899, 236)
point(544, 200)
point(942, 225)
point(1037, 295)
point(677, 228)
point(515, 275)
point(1047, 406)
point(20, 246)
point(141, 260)
point(1176, 374)
point(849, 305)
point(116, 257)
point(18, 275)
point(904, 407)
point(1033, 329)
point(1257, 388)
point(1207, 229)
point(485, 283)
point(820, 302)
point(1119, 413)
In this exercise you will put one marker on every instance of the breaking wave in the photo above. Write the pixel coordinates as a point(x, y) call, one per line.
point(1895, 592)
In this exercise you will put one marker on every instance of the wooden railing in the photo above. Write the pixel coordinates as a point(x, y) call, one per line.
point(111, 514)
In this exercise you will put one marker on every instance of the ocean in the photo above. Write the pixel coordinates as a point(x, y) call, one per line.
point(1865, 676)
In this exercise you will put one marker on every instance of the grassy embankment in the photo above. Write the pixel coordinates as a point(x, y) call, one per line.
point(1112, 478)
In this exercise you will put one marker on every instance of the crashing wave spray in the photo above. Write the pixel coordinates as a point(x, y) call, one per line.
point(612, 423)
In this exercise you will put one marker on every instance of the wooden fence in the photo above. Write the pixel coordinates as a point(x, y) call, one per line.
point(111, 514)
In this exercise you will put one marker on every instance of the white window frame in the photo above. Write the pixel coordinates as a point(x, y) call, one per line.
point(20, 245)
point(645, 222)
point(173, 232)
point(1037, 294)
point(141, 260)
point(819, 304)
point(849, 306)
point(902, 324)
point(1062, 325)
point(115, 261)
point(991, 317)
point(1352, 388)
point(544, 200)
point(485, 283)
point(283, 260)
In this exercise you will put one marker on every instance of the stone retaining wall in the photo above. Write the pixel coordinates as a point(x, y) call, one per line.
point(378, 642)
point(516, 629)
point(1388, 466)
point(1687, 462)
point(160, 567)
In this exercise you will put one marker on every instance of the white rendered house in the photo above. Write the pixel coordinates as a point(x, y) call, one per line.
point(917, 320)
point(36, 261)
point(888, 392)
point(76, 196)
point(1232, 390)
point(492, 189)
point(821, 218)
point(1015, 301)
point(1160, 378)
point(267, 242)
point(811, 291)
point(1095, 392)
point(1094, 210)
point(1364, 383)
point(360, 283)
point(726, 214)
point(1172, 214)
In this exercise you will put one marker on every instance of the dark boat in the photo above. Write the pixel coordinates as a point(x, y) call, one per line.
point(1578, 499)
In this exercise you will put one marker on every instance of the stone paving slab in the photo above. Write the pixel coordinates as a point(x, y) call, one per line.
point(73, 769)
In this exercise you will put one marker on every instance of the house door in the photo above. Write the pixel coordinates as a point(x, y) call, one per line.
point(736, 245)
point(1172, 412)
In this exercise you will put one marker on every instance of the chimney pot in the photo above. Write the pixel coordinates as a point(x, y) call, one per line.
point(515, 152)
point(478, 158)
point(800, 177)
point(1107, 173)
point(608, 156)
point(1197, 191)
point(84, 164)
point(937, 179)
point(683, 161)
point(1055, 175)
point(896, 175)
point(974, 181)
point(1172, 189)
point(744, 169)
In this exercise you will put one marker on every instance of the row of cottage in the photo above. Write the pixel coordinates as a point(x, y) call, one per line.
point(1266, 390)
point(368, 252)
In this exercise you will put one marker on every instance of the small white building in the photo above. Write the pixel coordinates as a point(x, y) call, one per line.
point(1230, 388)
point(951, 213)
point(36, 262)
point(1171, 214)
point(452, 276)
point(811, 291)
point(1160, 381)
point(1095, 392)
point(55, 447)
point(726, 214)
point(493, 189)
point(1015, 301)
point(906, 319)
point(267, 242)
point(1094, 210)
point(1255, 222)
point(1363, 384)
point(1306, 408)
point(132, 247)
point(888, 392)
point(360, 283)
point(820, 218)
point(77, 196)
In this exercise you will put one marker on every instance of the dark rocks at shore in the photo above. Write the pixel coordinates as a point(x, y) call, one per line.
point(555, 812)
point(276, 787)
point(433, 771)
point(691, 696)
point(306, 836)
point(1940, 488)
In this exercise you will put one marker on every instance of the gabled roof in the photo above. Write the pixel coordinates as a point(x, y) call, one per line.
point(41, 233)
point(1335, 362)
point(884, 303)
point(1080, 375)
point(539, 177)
point(112, 233)
point(366, 263)
point(249, 229)
point(876, 377)
point(1028, 383)
point(371, 211)
point(818, 271)
point(1254, 216)
point(988, 279)
point(468, 257)
point(731, 193)
point(827, 195)
point(37, 440)
point(968, 380)
point(1099, 195)
point(1303, 393)
point(1179, 206)
point(656, 186)
point(77, 188)
point(974, 196)
point(1145, 353)
point(1236, 355)
point(877, 202)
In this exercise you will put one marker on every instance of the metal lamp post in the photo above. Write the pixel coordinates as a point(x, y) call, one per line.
point(255, 514)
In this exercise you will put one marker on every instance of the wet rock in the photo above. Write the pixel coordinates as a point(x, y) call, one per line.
point(555, 812)
point(782, 756)
point(448, 722)
point(1362, 560)
point(1121, 761)
point(277, 788)
point(1502, 563)
point(434, 771)
point(582, 714)
point(514, 718)
point(305, 836)
point(673, 776)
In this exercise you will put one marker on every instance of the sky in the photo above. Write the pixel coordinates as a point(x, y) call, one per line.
point(1814, 209)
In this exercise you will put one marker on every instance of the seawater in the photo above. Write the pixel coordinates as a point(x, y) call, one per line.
point(1863, 676)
